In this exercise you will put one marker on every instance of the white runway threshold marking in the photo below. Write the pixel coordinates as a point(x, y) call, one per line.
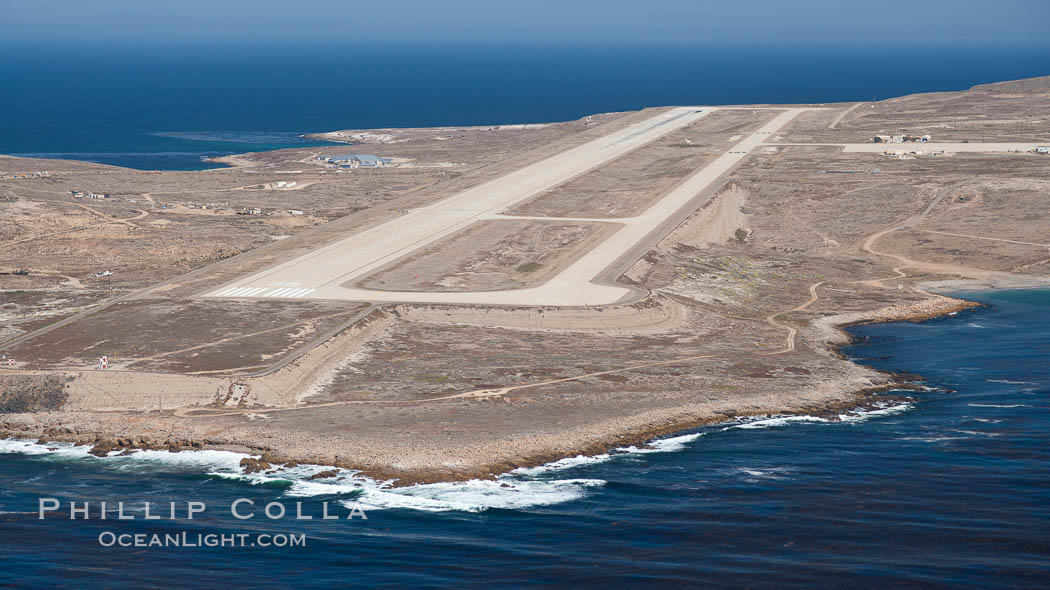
point(322, 273)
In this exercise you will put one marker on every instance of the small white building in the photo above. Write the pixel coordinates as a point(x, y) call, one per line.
point(1042, 149)
point(357, 160)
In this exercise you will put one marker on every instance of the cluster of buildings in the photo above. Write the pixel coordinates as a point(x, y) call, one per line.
point(89, 195)
point(900, 138)
point(23, 175)
point(911, 153)
point(223, 206)
point(356, 161)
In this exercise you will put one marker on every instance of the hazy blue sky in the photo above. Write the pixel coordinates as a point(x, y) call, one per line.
point(530, 21)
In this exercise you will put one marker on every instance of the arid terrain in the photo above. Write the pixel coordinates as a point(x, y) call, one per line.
point(736, 243)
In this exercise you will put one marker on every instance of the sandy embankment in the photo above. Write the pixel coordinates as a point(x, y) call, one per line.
point(110, 391)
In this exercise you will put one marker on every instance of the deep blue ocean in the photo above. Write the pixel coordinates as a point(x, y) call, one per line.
point(159, 106)
point(950, 490)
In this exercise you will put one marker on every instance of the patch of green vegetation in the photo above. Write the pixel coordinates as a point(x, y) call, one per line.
point(741, 234)
point(529, 267)
point(613, 378)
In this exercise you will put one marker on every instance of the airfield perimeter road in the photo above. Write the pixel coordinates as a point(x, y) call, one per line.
point(320, 274)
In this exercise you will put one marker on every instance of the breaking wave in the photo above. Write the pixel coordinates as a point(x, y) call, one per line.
point(854, 415)
point(520, 489)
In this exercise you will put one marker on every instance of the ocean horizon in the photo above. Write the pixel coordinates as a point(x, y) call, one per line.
point(165, 106)
point(942, 483)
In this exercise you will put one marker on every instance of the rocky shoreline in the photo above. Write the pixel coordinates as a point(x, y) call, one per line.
point(56, 426)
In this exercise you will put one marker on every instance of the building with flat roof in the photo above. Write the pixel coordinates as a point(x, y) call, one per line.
point(357, 160)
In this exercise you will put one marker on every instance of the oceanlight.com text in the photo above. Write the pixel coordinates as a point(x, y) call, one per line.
point(191, 540)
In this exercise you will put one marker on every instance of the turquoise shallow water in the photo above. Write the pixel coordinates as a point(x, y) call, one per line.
point(949, 490)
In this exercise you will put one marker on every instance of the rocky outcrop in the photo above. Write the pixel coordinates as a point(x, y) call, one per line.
point(32, 393)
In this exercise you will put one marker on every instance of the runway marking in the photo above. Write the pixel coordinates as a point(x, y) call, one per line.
point(360, 253)
point(280, 292)
point(329, 267)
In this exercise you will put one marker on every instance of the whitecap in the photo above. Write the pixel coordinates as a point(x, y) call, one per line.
point(1009, 382)
point(999, 405)
point(932, 439)
point(975, 432)
point(768, 473)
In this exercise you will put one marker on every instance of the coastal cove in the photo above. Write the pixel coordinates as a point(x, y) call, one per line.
point(957, 474)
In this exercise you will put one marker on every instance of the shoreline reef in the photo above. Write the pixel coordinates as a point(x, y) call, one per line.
point(56, 427)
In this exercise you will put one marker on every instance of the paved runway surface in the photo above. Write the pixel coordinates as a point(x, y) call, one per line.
point(927, 147)
point(319, 274)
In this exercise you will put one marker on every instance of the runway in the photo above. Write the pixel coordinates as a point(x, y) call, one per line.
point(319, 274)
point(926, 147)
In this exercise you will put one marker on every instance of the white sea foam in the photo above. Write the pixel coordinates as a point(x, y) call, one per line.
point(767, 473)
point(144, 458)
point(27, 447)
point(662, 445)
point(476, 495)
point(510, 491)
point(562, 464)
point(861, 414)
point(999, 405)
point(932, 439)
point(519, 489)
point(856, 415)
point(1008, 382)
point(975, 432)
point(775, 421)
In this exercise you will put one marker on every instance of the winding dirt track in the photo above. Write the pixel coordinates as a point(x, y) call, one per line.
point(792, 332)
point(868, 245)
